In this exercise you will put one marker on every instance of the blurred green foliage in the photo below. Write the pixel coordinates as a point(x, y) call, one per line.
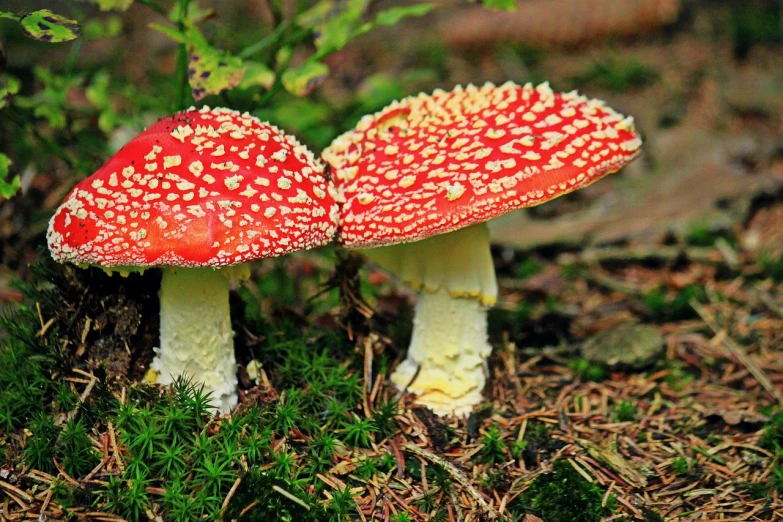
point(7, 187)
point(74, 113)
point(616, 75)
point(587, 370)
point(753, 23)
point(662, 306)
point(772, 267)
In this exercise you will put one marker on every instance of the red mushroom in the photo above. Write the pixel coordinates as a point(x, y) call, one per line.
point(197, 191)
point(422, 176)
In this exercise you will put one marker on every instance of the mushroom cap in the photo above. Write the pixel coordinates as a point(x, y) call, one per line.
point(204, 187)
point(430, 164)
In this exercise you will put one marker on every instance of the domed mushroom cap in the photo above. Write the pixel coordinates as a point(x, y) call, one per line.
point(208, 187)
point(430, 164)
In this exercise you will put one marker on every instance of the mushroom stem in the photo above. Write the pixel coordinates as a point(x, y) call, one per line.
point(195, 333)
point(449, 350)
point(449, 347)
point(459, 261)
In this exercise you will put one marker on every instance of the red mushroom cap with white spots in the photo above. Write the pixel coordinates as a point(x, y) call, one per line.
point(206, 187)
point(430, 164)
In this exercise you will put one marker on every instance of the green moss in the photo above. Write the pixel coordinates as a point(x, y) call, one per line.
point(755, 490)
point(772, 439)
point(772, 268)
point(562, 496)
point(170, 440)
point(383, 418)
point(359, 432)
point(527, 268)
point(754, 23)
point(74, 449)
point(625, 412)
point(703, 235)
point(493, 447)
point(587, 370)
point(26, 364)
point(39, 450)
point(681, 466)
point(617, 75)
point(538, 444)
point(662, 307)
point(652, 516)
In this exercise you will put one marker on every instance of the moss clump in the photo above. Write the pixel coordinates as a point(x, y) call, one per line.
point(625, 411)
point(562, 496)
point(74, 449)
point(262, 496)
point(772, 440)
point(39, 450)
point(493, 447)
point(662, 308)
point(537, 444)
point(26, 365)
point(618, 75)
point(754, 23)
point(587, 370)
point(772, 268)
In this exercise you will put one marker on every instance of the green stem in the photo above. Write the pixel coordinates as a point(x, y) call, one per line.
point(253, 49)
point(182, 60)
point(277, 86)
point(154, 6)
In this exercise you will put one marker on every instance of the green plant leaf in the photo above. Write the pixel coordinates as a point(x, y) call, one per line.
point(301, 80)
point(172, 32)
point(46, 26)
point(210, 70)
point(104, 27)
point(394, 15)
point(316, 15)
point(501, 5)
point(98, 93)
point(256, 73)
point(7, 189)
point(194, 15)
point(50, 102)
point(8, 87)
point(339, 28)
point(113, 5)
point(335, 24)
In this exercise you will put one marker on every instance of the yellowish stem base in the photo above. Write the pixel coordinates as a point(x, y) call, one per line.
point(448, 349)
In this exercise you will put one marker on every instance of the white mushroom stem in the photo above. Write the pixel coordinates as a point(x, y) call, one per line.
point(446, 362)
point(449, 350)
point(195, 333)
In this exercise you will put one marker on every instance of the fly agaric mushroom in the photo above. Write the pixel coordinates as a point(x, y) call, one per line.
point(197, 191)
point(421, 177)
